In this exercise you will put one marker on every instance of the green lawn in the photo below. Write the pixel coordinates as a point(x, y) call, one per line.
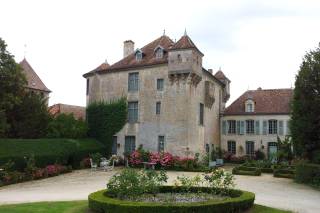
point(82, 207)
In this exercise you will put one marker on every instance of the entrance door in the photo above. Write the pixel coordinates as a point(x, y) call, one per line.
point(272, 151)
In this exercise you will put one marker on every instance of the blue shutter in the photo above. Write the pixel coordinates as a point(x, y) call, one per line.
point(265, 127)
point(280, 127)
point(257, 127)
point(241, 127)
point(224, 125)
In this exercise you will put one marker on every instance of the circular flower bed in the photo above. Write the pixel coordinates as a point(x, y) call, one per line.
point(237, 201)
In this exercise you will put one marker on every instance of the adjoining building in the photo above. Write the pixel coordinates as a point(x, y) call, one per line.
point(174, 104)
point(255, 120)
point(34, 83)
point(78, 112)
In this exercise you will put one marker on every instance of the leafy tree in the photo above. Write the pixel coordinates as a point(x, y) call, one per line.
point(30, 118)
point(284, 153)
point(305, 123)
point(12, 82)
point(66, 126)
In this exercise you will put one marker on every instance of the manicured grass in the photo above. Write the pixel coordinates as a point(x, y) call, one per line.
point(47, 151)
point(82, 207)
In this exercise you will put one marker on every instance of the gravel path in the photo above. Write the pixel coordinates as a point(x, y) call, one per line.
point(270, 191)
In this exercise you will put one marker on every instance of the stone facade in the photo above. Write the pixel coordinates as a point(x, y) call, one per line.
point(187, 88)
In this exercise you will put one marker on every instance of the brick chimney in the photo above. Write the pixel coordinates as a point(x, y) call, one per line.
point(128, 48)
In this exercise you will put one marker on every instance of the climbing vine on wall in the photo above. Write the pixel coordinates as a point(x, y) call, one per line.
point(105, 119)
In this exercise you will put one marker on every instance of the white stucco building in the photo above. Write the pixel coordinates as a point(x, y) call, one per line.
point(174, 104)
point(255, 120)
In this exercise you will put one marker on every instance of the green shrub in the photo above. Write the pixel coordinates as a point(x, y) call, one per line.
point(239, 201)
point(105, 120)
point(243, 170)
point(66, 126)
point(308, 173)
point(47, 151)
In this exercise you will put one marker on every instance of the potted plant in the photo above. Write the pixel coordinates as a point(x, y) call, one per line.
point(212, 160)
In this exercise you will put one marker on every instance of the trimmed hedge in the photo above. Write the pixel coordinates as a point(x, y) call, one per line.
point(239, 201)
point(267, 170)
point(47, 151)
point(244, 170)
point(284, 173)
point(308, 173)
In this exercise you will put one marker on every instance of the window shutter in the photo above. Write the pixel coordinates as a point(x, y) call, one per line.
point(224, 125)
point(241, 127)
point(288, 127)
point(280, 127)
point(238, 127)
point(265, 127)
point(257, 127)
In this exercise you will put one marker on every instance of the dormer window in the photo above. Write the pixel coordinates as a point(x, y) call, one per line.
point(138, 55)
point(249, 106)
point(159, 52)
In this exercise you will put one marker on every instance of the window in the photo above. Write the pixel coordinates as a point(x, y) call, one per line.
point(232, 147)
point(114, 145)
point(138, 55)
point(288, 128)
point(160, 82)
point(88, 81)
point(273, 126)
point(249, 106)
point(250, 148)
point(133, 112)
point(250, 126)
point(130, 144)
point(159, 53)
point(161, 144)
point(201, 114)
point(133, 82)
point(158, 108)
point(179, 58)
point(231, 127)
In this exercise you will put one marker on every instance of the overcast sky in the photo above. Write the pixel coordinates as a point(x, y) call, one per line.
point(256, 43)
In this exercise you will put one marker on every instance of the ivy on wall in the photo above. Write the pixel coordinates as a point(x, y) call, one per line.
point(105, 120)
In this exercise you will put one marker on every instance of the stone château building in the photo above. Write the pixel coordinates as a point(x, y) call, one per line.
point(174, 104)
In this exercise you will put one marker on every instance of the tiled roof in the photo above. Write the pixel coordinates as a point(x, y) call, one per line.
point(34, 82)
point(101, 67)
point(77, 111)
point(221, 76)
point(270, 101)
point(184, 42)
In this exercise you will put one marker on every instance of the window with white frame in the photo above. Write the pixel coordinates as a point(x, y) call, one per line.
point(273, 126)
point(133, 112)
point(250, 148)
point(160, 143)
point(138, 55)
point(250, 126)
point(133, 81)
point(249, 106)
point(232, 147)
point(159, 53)
point(231, 127)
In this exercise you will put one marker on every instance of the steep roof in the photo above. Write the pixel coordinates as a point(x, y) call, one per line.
point(185, 42)
point(77, 111)
point(34, 81)
point(221, 76)
point(269, 101)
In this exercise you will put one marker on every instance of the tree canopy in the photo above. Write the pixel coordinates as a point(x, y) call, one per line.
point(305, 123)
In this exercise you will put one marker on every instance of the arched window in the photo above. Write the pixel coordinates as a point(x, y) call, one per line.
point(249, 106)
point(138, 55)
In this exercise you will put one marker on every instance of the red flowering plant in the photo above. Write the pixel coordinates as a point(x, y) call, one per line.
point(52, 170)
point(135, 158)
point(166, 159)
point(154, 157)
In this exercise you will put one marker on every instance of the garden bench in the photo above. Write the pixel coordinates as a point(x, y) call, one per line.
point(148, 165)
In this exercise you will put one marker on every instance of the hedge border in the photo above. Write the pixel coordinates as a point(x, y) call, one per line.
point(242, 170)
point(239, 201)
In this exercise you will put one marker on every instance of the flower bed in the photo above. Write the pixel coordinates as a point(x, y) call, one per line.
point(244, 170)
point(238, 201)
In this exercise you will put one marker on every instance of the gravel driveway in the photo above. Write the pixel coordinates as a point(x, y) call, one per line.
point(270, 191)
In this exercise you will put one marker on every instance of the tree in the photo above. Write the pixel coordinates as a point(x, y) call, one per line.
point(305, 123)
point(30, 118)
point(12, 82)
